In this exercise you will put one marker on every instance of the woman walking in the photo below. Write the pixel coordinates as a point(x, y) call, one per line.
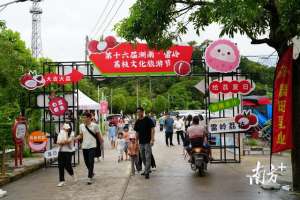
point(65, 140)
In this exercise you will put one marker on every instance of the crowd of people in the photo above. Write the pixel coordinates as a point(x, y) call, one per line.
point(134, 144)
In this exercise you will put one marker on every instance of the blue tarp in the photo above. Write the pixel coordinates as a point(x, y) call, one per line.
point(269, 111)
point(261, 118)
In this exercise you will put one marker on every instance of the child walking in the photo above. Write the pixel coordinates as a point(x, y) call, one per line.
point(126, 137)
point(120, 146)
point(133, 152)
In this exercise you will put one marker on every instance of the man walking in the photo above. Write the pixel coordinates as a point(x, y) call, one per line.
point(169, 123)
point(179, 126)
point(89, 133)
point(144, 128)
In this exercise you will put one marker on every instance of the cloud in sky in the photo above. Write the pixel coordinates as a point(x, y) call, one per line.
point(65, 24)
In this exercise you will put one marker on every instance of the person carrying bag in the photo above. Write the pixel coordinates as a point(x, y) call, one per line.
point(90, 135)
point(98, 144)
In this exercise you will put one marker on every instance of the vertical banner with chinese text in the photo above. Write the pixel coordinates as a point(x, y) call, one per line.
point(282, 104)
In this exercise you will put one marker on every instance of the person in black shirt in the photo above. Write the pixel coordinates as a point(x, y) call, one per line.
point(144, 127)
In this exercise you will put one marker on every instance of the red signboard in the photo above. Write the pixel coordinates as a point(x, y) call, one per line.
point(58, 106)
point(128, 59)
point(282, 104)
point(242, 87)
point(72, 77)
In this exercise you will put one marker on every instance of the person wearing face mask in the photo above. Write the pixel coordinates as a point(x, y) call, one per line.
point(65, 140)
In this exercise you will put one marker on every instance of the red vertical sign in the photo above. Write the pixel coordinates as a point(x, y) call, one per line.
point(103, 107)
point(282, 104)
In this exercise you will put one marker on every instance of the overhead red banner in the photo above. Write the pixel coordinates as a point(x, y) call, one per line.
point(282, 104)
point(128, 59)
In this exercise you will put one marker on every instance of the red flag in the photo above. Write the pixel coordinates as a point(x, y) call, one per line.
point(282, 104)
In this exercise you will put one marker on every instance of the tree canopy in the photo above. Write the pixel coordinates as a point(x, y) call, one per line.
point(152, 20)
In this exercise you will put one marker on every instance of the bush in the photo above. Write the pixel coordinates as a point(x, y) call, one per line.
point(6, 136)
point(251, 142)
point(27, 153)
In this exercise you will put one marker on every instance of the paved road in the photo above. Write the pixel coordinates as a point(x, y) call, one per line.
point(173, 179)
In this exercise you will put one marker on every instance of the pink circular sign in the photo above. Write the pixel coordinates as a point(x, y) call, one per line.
point(58, 106)
point(222, 56)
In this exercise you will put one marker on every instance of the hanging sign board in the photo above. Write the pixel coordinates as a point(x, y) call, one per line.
point(223, 125)
point(58, 106)
point(128, 59)
point(222, 56)
point(222, 105)
point(243, 87)
point(103, 107)
point(282, 104)
point(19, 129)
point(72, 77)
point(31, 81)
point(51, 154)
point(239, 123)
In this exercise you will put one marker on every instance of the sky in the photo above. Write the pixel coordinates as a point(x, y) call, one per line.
point(65, 24)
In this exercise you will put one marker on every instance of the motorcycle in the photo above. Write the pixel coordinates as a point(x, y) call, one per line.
point(199, 160)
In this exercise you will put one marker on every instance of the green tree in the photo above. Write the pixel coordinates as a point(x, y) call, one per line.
point(146, 104)
point(89, 88)
point(160, 104)
point(119, 103)
point(131, 105)
point(151, 20)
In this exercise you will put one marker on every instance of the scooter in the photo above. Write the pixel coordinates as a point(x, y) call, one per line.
point(199, 160)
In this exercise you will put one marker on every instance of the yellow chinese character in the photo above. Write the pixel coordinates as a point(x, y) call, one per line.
point(281, 138)
point(281, 122)
point(283, 90)
point(281, 105)
point(283, 72)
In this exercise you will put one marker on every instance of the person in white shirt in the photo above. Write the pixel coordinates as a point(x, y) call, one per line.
point(65, 140)
point(179, 127)
point(89, 133)
point(120, 143)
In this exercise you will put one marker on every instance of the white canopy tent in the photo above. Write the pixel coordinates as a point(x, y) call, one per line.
point(86, 103)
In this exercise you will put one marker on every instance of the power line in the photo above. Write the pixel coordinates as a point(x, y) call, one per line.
point(112, 17)
point(100, 17)
point(3, 8)
point(105, 18)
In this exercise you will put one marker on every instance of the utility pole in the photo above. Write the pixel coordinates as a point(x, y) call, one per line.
point(3, 6)
point(150, 88)
point(86, 48)
point(137, 93)
point(168, 101)
point(36, 38)
point(99, 93)
point(111, 92)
